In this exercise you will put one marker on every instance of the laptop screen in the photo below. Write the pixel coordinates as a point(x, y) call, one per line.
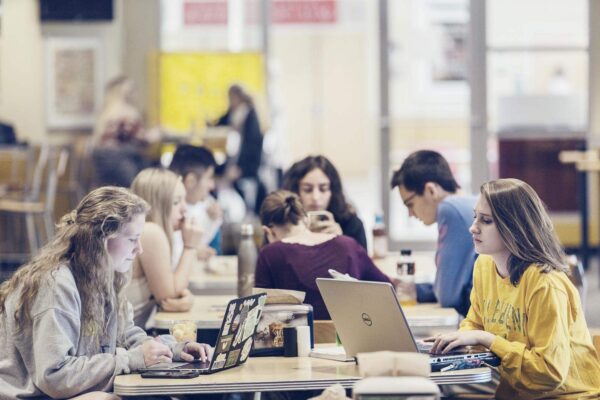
point(235, 338)
point(368, 317)
point(237, 331)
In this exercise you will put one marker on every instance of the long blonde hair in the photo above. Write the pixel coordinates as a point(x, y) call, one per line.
point(524, 226)
point(80, 244)
point(156, 186)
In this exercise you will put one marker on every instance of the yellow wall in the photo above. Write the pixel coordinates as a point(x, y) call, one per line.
point(193, 86)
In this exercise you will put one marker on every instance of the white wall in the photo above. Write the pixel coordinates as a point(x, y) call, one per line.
point(22, 62)
point(325, 79)
point(21, 69)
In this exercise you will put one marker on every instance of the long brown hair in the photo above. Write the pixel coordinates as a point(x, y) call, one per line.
point(338, 205)
point(524, 226)
point(80, 244)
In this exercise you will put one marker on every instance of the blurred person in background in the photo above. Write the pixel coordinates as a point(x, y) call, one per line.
point(318, 184)
point(159, 278)
point(243, 165)
point(120, 140)
point(196, 166)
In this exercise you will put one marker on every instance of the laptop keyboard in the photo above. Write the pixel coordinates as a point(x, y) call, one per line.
point(196, 364)
point(424, 347)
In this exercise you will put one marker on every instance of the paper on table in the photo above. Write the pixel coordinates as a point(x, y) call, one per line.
point(336, 353)
point(281, 296)
point(338, 275)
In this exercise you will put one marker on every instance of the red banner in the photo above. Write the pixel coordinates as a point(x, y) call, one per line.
point(282, 12)
point(205, 13)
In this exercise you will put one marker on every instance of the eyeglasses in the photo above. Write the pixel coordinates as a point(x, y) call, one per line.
point(409, 198)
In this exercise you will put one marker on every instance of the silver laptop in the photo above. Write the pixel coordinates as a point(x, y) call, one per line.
point(368, 317)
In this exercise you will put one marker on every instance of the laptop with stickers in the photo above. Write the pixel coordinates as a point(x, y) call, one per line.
point(234, 341)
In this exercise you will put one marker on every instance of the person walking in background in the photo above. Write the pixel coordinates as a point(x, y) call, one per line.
point(242, 167)
point(316, 180)
point(429, 191)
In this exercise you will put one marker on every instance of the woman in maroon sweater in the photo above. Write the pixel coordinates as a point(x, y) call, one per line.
point(295, 256)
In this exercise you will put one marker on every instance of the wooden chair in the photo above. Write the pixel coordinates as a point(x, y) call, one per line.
point(50, 166)
point(324, 331)
point(577, 277)
point(596, 340)
point(79, 175)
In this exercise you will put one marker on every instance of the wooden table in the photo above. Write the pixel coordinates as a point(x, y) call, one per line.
point(208, 312)
point(218, 276)
point(264, 374)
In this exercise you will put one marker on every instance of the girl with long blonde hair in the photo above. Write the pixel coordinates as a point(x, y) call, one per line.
point(158, 278)
point(64, 317)
point(523, 306)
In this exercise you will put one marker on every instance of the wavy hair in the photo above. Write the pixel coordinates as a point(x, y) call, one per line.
point(524, 226)
point(80, 244)
point(156, 186)
point(338, 205)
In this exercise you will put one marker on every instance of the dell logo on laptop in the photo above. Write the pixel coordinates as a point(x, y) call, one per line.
point(366, 319)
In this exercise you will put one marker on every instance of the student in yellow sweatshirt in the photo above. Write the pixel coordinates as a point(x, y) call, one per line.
point(523, 306)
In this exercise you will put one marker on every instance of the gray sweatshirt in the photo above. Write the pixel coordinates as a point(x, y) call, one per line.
point(52, 358)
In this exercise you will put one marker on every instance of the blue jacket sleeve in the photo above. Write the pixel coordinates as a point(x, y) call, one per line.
point(454, 259)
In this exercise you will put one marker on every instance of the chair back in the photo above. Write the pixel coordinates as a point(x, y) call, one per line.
point(324, 331)
point(33, 189)
point(57, 165)
point(577, 277)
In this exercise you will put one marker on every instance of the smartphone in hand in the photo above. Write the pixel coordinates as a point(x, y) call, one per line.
point(315, 217)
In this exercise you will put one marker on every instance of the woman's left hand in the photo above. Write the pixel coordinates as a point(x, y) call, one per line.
point(442, 344)
point(184, 302)
point(193, 351)
point(327, 226)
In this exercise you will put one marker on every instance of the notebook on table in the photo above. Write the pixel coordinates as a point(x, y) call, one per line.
point(234, 342)
point(368, 317)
